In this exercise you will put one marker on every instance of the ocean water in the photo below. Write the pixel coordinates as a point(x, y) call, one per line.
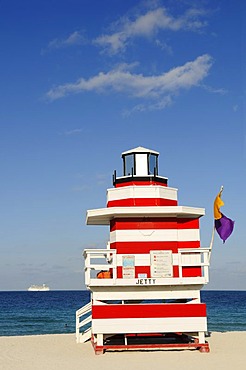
point(53, 312)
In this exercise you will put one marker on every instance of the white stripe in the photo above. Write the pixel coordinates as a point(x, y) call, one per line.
point(130, 192)
point(163, 235)
point(148, 325)
point(102, 216)
point(144, 259)
point(160, 292)
point(186, 282)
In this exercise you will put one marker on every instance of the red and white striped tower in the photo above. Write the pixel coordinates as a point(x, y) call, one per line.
point(156, 265)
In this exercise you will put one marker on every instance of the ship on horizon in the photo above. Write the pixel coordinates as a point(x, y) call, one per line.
point(38, 288)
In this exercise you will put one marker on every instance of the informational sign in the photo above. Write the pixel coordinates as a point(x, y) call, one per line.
point(161, 264)
point(128, 267)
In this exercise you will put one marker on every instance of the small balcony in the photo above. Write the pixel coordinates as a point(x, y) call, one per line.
point(190, 266)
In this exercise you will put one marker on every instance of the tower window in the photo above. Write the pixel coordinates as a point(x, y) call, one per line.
point(153, 167)
point(129, 165)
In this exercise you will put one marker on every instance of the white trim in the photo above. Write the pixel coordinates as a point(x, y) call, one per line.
point(102, 216)
point(159, 292)
point(148, 325)
point(151, 282)
point(155, 235)
point(140, 149)
point(153, 191)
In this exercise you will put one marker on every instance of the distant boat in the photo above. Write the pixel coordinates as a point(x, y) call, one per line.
point(38, 288)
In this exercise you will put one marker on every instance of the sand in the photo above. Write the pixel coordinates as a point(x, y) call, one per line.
point(60, 352)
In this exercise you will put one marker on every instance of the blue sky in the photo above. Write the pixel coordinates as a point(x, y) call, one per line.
point(84, 80)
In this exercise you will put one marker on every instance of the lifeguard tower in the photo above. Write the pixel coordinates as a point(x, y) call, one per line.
point(150, 296)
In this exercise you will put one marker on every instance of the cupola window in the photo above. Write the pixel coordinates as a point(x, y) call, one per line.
point(129, 165)
point(153, 165)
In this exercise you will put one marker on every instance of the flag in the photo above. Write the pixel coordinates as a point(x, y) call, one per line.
point(223, 225)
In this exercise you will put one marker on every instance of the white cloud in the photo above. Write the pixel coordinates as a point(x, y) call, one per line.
point(147, 25)
point(164, 46)
point(73, 132)
point(159, 88)
point(211, 89)
point(76, 38)
point(159, 105)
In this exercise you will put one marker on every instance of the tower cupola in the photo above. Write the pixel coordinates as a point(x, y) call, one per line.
point(139, 165)
point(140, 162)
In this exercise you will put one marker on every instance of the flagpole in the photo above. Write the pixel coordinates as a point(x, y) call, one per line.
point(221, 189)
point(211, 245)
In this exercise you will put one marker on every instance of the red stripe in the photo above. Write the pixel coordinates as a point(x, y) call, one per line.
point(127, 311)
point(143, 223)
point(191, 271)
point(188, 223)
point(146, 247)
point(141, 202)
point(140, 183)
point(153, 223)
point(175, 271)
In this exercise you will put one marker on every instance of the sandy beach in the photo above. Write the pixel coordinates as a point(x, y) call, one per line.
point(227, 351)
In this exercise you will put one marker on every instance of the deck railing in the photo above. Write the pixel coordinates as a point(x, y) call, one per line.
point(194, 257)
point(108, 260)
point(99, 259)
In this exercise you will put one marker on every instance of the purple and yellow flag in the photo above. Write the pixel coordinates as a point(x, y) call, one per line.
point(223, 225)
